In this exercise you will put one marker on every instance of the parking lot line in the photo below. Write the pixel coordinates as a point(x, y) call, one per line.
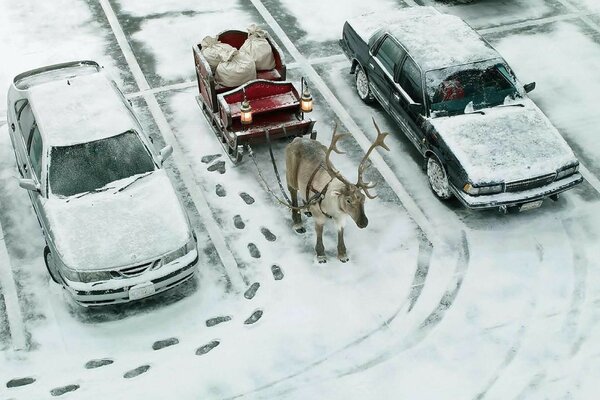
point(11, 299)
point(186, 173)
point(388, 174)
point(529, 23)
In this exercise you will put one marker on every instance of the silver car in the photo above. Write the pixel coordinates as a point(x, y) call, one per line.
point(114, 226)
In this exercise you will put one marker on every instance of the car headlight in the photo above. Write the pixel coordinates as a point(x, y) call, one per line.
point(94, 276)
point(182, 251)
point(70, 274)
point(567, 172)
point(482, 190)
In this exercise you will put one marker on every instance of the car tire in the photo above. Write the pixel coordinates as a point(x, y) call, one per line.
point(362, 86)
point(48, 261)
point(438, 179)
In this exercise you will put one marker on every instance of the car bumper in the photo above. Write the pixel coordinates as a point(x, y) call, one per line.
point(116, 291)
point(517, 198)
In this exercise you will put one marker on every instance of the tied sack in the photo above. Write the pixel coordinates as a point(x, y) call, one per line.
point(212, 50)
point(235, 69)
point(258, 47)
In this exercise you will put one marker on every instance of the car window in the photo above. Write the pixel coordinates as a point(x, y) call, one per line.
point(390, 53)
point(35, 149)
point(410, 80)
point(25, 119)
point(89, 166)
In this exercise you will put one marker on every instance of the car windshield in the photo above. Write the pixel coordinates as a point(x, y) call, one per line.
point(456, 90)
point(90, 166)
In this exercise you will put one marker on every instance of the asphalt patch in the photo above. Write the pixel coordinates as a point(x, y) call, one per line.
point(218, 166)
point(268, 234)
point(59, 391)
point(217, 320)
point(210, 158)
point(238, 223)
point(247, 198)
point(19, 382)
point(136, 371)
point(251, 292)
point(98, 363)
point(207, 347)
point(161, 344)
point(277, 272)
point(220, 191)
point(256, 315)
point(254, 252)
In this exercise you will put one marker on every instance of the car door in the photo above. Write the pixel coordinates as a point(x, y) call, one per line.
point(24, 125)
point(388, 55)
point(405, 95)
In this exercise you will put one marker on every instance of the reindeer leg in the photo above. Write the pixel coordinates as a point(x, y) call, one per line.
point(296, 216)
point(342, 256)
point(319, 248)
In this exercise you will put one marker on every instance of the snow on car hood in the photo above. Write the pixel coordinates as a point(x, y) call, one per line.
point(107, 229)
point(506, 144)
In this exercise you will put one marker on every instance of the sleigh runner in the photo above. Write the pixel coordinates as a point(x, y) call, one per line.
point(252, 112)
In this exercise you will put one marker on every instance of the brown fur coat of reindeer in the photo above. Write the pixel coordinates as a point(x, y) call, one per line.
point(310, 172)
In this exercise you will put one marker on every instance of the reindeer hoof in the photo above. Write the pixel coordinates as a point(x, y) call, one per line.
point(321, 259)
point(343, 259)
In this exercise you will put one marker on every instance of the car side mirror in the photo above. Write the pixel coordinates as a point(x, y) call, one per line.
point(166, 153)
point(416, 108)
point(29, 184)
point(529, 87)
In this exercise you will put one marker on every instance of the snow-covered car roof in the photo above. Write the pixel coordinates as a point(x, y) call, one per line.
point(80, 109)
point(433, 39)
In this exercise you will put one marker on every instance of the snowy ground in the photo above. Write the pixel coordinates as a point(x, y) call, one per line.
point(436, 303)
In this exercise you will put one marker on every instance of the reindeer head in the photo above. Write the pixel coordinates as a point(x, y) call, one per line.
point(352, 196)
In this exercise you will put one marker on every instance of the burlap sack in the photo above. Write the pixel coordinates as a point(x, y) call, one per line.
point(235, 69)
point(258, 47)
point(212, 50)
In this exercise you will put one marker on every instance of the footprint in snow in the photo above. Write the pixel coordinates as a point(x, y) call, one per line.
point(136, 371)
point(210, 158)
point(277, 272)
point(268, 234)
point(161, 344)
point(217, 320)
point(238, 223)
point(254, 252)
point(19, 382)
point(251, 292)
point(59, 391)
point(247, 198)
point(98, 363)
point(256, 315)
point(218, 166)
point(207, 347)
point(220, 191)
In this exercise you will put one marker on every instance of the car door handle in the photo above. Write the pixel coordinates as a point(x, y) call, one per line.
point(25, 168)
point(371, 65)
point(396, 97)
point(12, 126)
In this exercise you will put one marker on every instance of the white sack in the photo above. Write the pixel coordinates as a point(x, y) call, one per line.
point(212, 50)
point(258, 47)
point(235, 69)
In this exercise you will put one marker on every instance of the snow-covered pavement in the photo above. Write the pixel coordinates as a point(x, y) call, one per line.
point(436, 301)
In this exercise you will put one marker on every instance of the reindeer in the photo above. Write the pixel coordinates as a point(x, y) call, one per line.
point(328, 194)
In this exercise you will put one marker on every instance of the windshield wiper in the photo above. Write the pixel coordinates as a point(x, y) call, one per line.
point(101, 189)
point(133, 181)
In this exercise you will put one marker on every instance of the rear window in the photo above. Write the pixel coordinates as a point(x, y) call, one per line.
point(90, 166)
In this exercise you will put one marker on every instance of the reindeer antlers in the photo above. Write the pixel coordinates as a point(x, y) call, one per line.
point(364, 164)
point(332, 147)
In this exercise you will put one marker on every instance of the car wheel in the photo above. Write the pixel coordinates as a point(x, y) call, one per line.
point(48, 262)
point(438, 180)
point(362, 86)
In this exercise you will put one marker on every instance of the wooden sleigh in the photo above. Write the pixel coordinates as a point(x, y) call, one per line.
point(275, 103)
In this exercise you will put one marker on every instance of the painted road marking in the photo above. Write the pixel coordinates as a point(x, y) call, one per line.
point(11, 299)
point(185, 170)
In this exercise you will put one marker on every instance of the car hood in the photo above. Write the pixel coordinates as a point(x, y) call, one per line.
point(113, 229)
point(508, 143)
